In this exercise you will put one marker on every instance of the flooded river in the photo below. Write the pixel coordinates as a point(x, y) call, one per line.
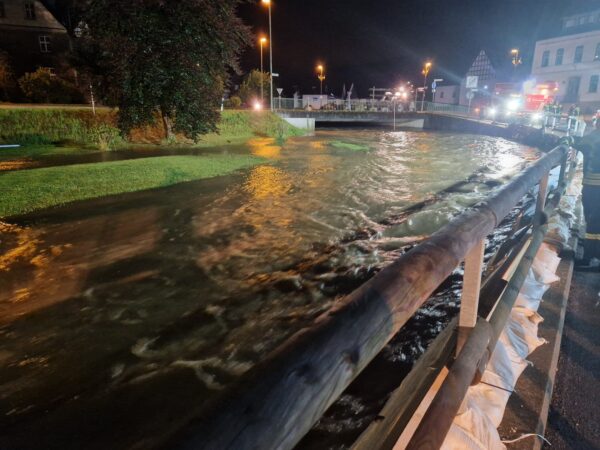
point(122, 317)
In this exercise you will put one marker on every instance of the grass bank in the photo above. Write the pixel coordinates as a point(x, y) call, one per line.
point(28, 190)
point(43, 126)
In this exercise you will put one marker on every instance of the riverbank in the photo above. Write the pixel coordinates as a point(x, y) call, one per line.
point(81, 129)
point(51, 136)
point(28, 190)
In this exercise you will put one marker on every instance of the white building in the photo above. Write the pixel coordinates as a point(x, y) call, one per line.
point(572, 60)
point(447, 94)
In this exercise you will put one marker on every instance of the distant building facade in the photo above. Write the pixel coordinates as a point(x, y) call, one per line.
point(447, 94)
point(572, 61)
point(478, 82)
point(31, 35)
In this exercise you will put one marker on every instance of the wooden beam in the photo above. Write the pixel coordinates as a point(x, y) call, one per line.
point(398, 410)
point(432, 430)
point(279, 400)
point(471, 285)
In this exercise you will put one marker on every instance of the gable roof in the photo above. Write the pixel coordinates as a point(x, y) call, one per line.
point(482, 67)
point(14, 17)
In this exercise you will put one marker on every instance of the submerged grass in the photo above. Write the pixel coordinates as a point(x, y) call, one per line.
point(28, 190)
point(349, 146)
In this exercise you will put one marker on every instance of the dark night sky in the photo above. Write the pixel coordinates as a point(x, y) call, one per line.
point(386, 41)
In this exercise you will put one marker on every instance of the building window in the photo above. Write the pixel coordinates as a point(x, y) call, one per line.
point(578, 54)
point(593, 84)
point(44, 42)
point(597, 54)
point(559, 56)
point(2, 11)
point(442, 94)
point(545, 58)
point(30, 11)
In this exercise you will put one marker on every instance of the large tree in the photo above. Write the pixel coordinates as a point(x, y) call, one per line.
point(167, 58)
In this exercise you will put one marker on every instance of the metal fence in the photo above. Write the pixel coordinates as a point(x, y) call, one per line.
point(332, 104)
point(279, 400)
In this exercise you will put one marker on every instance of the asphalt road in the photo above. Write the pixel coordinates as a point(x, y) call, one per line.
point(574, 419)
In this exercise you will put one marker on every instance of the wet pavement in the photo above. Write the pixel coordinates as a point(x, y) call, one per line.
point(574, 418)
point(122, 317)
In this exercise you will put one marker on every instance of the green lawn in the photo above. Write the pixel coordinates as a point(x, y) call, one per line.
point(27, 190)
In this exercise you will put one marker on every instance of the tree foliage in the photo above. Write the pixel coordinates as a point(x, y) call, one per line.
point(250, 88)
point(7, 79)
point(163, 58)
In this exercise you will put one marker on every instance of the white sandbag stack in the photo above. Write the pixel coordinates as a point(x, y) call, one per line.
point(475, 426)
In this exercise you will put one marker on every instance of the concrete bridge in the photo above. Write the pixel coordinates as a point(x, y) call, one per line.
point(308, 119)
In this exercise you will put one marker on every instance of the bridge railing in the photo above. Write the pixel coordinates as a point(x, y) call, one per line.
point(277, 402)
point(338, 105)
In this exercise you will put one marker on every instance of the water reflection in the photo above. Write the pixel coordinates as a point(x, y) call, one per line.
point(268, 181)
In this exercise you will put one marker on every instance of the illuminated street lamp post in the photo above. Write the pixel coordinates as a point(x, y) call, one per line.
point(268, 3)
point(425, 72)
point(394, 98)
point(262, 94)
point(516, 59)
point(321, 76)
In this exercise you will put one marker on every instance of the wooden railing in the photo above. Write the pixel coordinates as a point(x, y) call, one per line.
point(278, 401)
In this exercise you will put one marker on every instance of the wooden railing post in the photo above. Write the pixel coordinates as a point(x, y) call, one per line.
point(469, 303)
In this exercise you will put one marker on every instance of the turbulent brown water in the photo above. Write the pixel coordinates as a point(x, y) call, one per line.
point(121, 317)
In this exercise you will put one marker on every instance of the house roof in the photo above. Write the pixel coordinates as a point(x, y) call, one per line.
point(15, 17)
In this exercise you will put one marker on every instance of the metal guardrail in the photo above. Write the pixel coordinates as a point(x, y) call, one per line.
point(367, 105)
point(337, 105)
point(278, 401)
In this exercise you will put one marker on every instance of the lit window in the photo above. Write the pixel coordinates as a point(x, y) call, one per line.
point(545, 58)
point(578, 54)
point(594, 84)
point(2, 11)
point(44, 42)
point(559, 56)
point(597, 54)
point(29, 11)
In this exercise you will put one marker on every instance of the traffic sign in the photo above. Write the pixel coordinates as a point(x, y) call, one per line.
point(274, 74)
point(433, 85)
point(279, 91)
point(472, 81)
point(470, 95)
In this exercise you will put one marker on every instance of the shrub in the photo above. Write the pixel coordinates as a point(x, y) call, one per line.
point(42, 86)
point(250, 88)
point(234, 101)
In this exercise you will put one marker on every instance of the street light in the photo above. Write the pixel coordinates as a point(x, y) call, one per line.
point(268, 3)
point(425, 72)
point(321, 76)
point(262, 40)
point(516, 59)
